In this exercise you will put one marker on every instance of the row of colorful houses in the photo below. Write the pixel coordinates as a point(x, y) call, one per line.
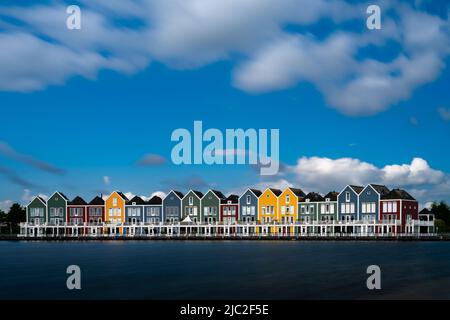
point(370, 204)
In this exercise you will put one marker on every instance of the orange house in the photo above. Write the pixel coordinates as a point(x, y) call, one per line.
point(115, 210)
point(288, 207)
point(268, 209)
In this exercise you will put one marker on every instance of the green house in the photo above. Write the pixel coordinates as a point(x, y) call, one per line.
point(57, 208)
point(37, 211)
point(211, 206)
point(190, 206)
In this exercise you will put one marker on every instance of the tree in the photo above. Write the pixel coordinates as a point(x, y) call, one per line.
point(15, 215)
point(441, 211)
point(2, 219)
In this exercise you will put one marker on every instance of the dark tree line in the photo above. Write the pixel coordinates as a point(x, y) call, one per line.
point(441, 210)
point(9, 221)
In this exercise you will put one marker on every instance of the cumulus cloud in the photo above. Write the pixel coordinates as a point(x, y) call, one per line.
point(5, 205)
point(160, 194)
point(252, 34)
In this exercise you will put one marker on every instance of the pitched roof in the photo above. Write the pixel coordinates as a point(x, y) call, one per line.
point(332, 195)
point(198, 193)
point(124, 197)
point(357, 189)
point(256, 192)
point(138, 200)
point(314, 197)
point(155, 200)
point(425, 211)
point(97, 201)
point(77, 201)
point(398, 194)
point(380, 188)
point(298, 192)
point(178, 193)
point(277, 192)
point(62, 195)
point(232, 197)
point(42, 199)
point(218, 194)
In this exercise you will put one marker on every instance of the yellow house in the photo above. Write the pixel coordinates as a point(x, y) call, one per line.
point(288, 207)
point(115, 209)
point(268, 209)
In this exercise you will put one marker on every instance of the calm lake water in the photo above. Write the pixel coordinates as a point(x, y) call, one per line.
point(224, 269)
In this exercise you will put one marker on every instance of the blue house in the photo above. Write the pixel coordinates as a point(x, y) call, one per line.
point(153, 210)
point(171, 206)
point(134, 211)
point(248, 205)
point(369, 202)
point(348, 203)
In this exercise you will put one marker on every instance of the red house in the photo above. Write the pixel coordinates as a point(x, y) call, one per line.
point(95, 211)
point(229, 209)
point(76, 211)
point(398, 205)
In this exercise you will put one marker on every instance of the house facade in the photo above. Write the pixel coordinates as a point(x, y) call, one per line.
point(37, 211)
point(369, 205)
point(57, 209)
point(76, 211)
point(248, 205)
point(328, 211)
point(134, 211)
point(229, 209)
point(153, 211)
point(268, 211)
point(210, 206)
point(115, 208)
point(308, 211)
point(95, 211)
point(172, 206)
point(191, 206)
point(348, 203)
point(400, 207)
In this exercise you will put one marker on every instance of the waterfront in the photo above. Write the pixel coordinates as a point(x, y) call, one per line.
point(224, 269)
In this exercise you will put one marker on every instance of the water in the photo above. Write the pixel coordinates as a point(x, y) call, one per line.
point(224, 269)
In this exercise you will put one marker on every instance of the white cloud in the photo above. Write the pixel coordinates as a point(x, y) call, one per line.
point(192, 33)
point(416, 173)
point(106, 180)
point(5, 205)
point(160, 194)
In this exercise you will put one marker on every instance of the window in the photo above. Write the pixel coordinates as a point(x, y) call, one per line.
point(114, 202)
point(287, 198)
point(389, 207)
point(191, 200)
point(373, 207)
point(343, 208)
point(394, 206)
point(347, 196)
point(248, 199)
point(363, 208)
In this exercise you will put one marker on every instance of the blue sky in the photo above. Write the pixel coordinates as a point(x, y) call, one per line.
point(352, 105)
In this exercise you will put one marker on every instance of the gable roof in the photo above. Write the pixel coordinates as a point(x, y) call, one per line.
point(138, 200)
point(77, 201)
point(357, 189)
point(398, 194)
point(39, 198)
point(256, 192)
point(332, 195)
point(61, 194)
point(234, 198)
point(382, 190)
point(425, 211)
point(197, 193)
point(276, 192)
point(178, 193)
point(218, 194)
point(124, 197)
point(314, 197)
point(298, 192)
point(155, 200)
point(97, 201)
